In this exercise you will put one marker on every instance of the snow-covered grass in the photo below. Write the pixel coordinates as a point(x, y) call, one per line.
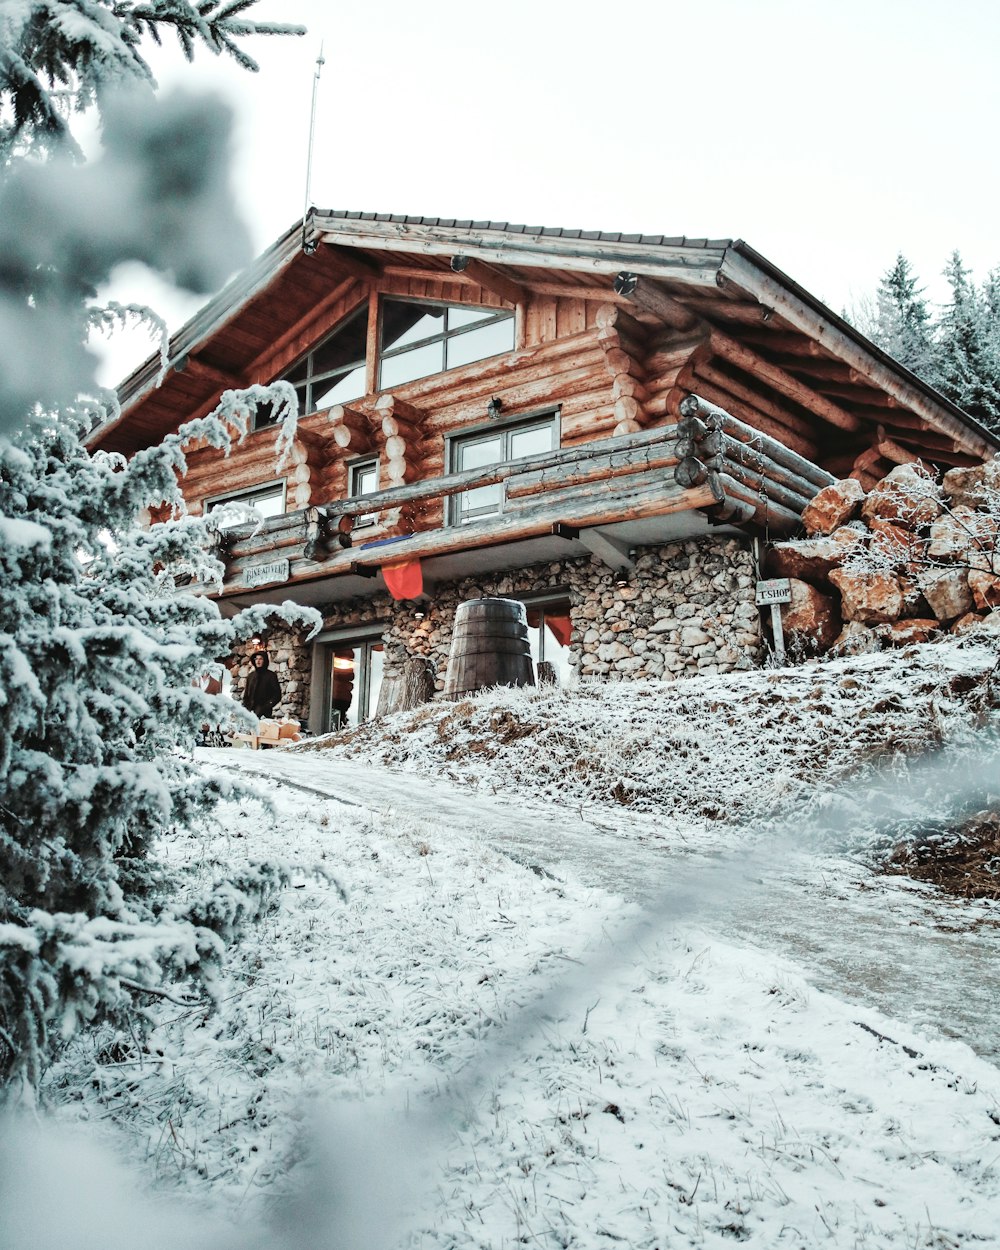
point(728, 748)
point(428, 1043)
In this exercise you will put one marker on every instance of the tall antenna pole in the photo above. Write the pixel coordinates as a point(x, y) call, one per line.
point(320, 62)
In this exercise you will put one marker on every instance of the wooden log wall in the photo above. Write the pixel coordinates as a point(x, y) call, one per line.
point(613, 363)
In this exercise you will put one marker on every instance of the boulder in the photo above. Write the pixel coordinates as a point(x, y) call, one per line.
point(897, 545)
point(871, 598)
point(811, 621)
point(947, 592)
point(812, 559)
point(914, 602)
point(972, 487)
point(955, 534)
point(907, 495)
point(967, 622)
point(903, 633)
point(855, 639)
point(833, 507)
point(985, 589)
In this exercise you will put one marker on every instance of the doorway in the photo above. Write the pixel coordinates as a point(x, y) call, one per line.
point(354, 678)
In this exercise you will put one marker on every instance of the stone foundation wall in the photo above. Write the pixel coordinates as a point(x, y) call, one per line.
point(687, 607)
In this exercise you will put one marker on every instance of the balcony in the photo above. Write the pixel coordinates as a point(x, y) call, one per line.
point(601, 498)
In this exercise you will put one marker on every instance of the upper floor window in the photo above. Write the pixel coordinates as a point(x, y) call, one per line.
point(364, 481)
point(418, 339)
point(488, 446)
point(332, 373)
point(268, 500)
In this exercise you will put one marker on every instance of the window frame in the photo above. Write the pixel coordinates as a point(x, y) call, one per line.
point(311, 379)
point(210, 504)
point(497, 316)
point(354, 468)
point(363, 639)
point(504, 427)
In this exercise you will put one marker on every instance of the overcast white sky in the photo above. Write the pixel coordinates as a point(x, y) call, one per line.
point(829, 136)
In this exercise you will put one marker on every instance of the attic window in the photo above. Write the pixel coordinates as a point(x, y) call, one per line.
point(332, 373)
point(419, 338)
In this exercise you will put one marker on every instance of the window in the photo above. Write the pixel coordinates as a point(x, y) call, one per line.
point(364, 481)
point(268, 500)
point(549, 629)
point(332, 373)
point(418, 339)
point(355, 680)
point(495, 446)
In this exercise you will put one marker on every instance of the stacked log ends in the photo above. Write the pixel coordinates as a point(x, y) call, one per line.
point(905, 562)
point(623, 340)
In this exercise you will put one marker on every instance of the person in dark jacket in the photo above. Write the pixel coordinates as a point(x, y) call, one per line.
point(263, 690)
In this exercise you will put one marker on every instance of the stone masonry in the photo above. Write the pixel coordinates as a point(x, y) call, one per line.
point(687, 607)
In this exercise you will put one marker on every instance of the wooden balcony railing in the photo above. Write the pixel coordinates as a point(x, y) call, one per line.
point(707, 461)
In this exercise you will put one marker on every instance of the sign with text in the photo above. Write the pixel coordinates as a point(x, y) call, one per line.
point(263, 574)
point(777, 590)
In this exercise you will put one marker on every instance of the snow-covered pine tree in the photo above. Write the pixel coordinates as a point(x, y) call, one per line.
point(903, 321)
point(968, 364)
point(99, 640)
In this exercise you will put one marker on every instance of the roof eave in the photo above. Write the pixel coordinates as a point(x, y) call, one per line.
point(747, 269)
point(210, 318)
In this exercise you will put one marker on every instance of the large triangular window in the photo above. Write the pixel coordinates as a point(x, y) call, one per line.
point(420, 338)
point(332, 373)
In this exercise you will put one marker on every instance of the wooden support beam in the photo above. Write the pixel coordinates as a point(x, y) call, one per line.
point(645, 293)
point(350, 261)
point(389, 405)
point(751, 362)
point(490, 279)
point(794, 424)
point(839, 342)
point(195, 367)
point(609, 550)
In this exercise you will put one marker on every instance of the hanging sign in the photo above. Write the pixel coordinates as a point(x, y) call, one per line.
point(777, 590)
point(263, 574)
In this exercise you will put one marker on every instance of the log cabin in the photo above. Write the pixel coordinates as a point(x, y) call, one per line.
point(607, 427)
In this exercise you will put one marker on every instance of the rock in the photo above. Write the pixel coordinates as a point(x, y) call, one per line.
point(812, 559)
point(811, 621)
point(855, 639)
point(903, 633)
point(957, 533)
point(833, 507)
point(691, 636)
point(972, 621)
point(914, 603)
point(972, 487)
point(985, 589)
point(871, 598)
point(908, 496)
point(947, 592)
point(894, 543)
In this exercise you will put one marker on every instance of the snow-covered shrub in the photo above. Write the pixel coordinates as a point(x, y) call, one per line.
point(100, 643)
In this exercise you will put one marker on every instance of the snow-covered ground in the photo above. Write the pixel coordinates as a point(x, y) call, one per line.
point(548, 1017)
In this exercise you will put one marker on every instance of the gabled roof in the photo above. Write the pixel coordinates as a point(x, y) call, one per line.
point(723, 281)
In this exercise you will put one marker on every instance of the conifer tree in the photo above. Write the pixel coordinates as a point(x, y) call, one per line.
point(99, 639)
point(903, 322)
point(968, 372)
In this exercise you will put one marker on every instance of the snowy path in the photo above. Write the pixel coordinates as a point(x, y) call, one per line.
point(868, 939)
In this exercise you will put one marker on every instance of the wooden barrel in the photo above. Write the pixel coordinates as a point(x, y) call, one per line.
point(489, 647)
